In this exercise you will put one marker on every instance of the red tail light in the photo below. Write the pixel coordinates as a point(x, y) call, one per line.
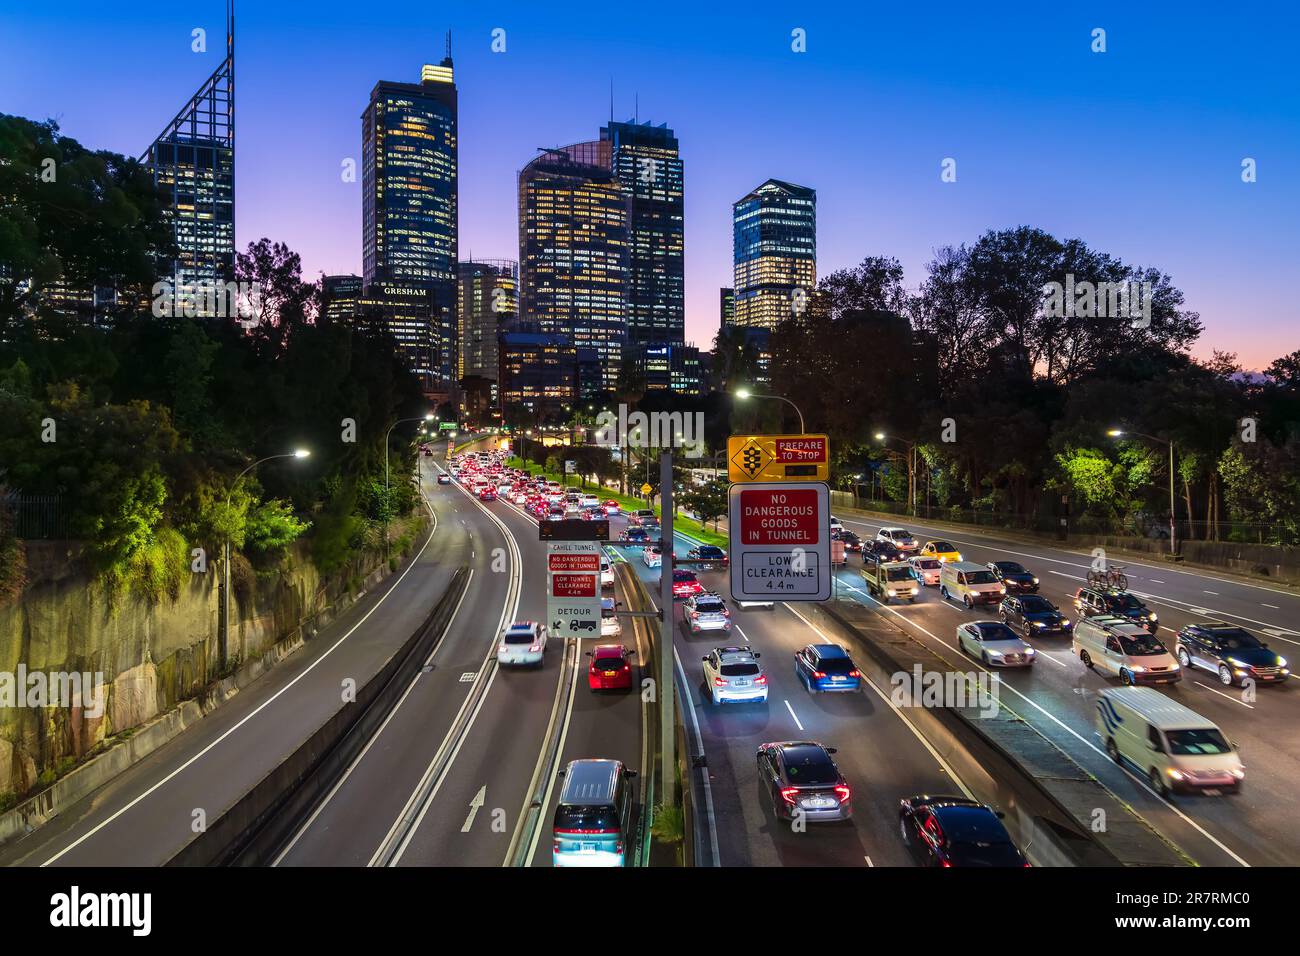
point(761, 681)
point(626, 668)
point(842, 791)
point(855, 673)
point(946, 864)
point(818, 674)
point(788, 794)
point(719, 682)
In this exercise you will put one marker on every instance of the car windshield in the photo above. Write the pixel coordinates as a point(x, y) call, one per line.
point(739, 670)
point(1141, 645)
point(1197, 742)
point(898, 574)
point(980, 577)
point(927, 564)
point(1123, 602)
point(709, 607)
point(1035, 605)
point(943, 546)
point(993, 631)
point(519, 637)
point(1237, 640)
point(1011, 567)
point(680, 577)
point(965, 853)
point(809, 766)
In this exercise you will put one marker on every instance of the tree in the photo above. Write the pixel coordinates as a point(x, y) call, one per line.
point(708, 502)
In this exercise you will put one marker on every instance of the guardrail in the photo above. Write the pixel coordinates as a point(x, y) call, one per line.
point(251, 831)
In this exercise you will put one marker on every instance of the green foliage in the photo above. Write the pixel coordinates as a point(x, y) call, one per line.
point(271, 526)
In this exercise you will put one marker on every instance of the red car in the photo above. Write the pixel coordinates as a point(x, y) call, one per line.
point(487, 494)
point(610, 667)
point(685, 584)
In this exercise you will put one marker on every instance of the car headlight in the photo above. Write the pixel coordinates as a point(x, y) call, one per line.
point(1039, 624)
point(1235, 663)
point(1152, 616)
point(1030, 652)
point(1176, 774)
point(1281, 662)
point(1035, 580)
point(1138, 670)
point(1239, 774)
point(892, 593)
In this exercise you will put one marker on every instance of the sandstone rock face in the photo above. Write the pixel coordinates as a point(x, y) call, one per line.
point(134, 697)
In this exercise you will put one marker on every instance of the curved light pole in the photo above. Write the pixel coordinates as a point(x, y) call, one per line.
point(911, 466)
point(225, 564)
point(418, 418)
point(744, 393)
point(1173, 525)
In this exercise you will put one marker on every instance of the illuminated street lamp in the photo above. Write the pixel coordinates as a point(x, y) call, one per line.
point(1173, 527)
point(911, 466)
point(744, 393)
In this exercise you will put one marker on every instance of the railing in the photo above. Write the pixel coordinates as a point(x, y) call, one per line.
point(34, 516)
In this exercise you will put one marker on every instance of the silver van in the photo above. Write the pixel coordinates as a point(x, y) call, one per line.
point(1117, 646)
point(970, 583)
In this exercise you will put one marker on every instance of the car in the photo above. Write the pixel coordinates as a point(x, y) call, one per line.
point(444, 479)
point(705, 612)
point(610, 667)
point(1014, 577)
point(802, 780)
point(643, 514)
point(709, 557)
point(1034, 615)
point(733, 674)
point(970, 583)
point(826, 668)
point(900, 538)
point(995, 644)
point(486, 493)
point(1230, 651)
point(956, 831)
point(850, 540)
point(685, 584)
point(609, 622)
point(836, 524)
point(635, 536)
point(426, 451)
point(1119, 646)
point(524, 643)
point(606, 571)
point(611, 507)
point(1094, 601)
point(652, 556)
point(881, 551)
point(925, 569)
point(944, 551)
point(592, 825)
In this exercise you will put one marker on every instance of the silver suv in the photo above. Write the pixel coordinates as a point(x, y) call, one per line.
point(734, 674)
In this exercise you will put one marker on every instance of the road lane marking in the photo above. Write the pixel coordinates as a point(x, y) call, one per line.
point(793, 716)
point(685, 694)
point(479, 799)
point(742, 633)
point(1273, 606)
point(1215, 593)
point(1215, 690)
point(267, 703)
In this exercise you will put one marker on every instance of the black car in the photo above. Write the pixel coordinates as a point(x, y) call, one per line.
point(635, 536)
point(955, 831)
point(881, 551)
point(1093, 601)
point(801, 779)
point(1014, 577)
point(851, 540)
point(1032, 614)
point(1230, 651)
point(709, 556)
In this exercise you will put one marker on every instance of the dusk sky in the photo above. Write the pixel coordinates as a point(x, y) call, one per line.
point(1136, 151)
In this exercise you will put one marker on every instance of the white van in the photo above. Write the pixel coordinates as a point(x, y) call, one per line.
point(970, 583)
point(1119, 647)
point(1176, 748)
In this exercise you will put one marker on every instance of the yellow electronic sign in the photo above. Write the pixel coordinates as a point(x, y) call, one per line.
point(778, 458)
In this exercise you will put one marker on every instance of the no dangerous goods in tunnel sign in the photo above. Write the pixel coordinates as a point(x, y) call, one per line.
point(780, 541)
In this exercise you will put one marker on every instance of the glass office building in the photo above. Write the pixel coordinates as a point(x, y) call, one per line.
point(775, 253)
point(340, 297)
point(409, 204)
point(573, 251)
point(193, 164)
point(646, 160)
point(487, 305)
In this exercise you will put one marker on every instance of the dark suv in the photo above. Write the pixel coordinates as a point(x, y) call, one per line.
point(1230, 651)
point(1014, 576)
point(1093, 601)
point(1032, 614)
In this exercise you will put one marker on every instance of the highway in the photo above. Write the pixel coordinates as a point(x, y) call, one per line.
point(1057, 696)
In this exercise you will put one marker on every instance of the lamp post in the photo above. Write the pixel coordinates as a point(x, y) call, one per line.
point(225, 563)
point(1173, 525)
point(744, 393)
point(911, 466)
point(418, 418)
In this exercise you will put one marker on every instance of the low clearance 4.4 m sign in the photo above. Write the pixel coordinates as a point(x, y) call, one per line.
point(780, 541)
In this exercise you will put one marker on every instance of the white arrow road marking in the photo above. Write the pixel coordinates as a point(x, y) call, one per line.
point(474, 804)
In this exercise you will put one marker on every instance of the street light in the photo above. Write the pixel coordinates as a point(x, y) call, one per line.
point(1173, 527)
point(225, 569)
point(744, 393)
point(418, 418)
point(911, 465)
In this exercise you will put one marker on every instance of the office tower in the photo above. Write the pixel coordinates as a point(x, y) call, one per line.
point(340, 297)
point(409, 202)
point(775, 249)
point(573, 251)
point(405, 311)
point(663, 367)
point(537, 373)
point(646, 161)
point(193, 164)
point(487, 304)
point(726, 307)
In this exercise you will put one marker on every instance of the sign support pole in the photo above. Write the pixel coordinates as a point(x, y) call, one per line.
point(667, 721)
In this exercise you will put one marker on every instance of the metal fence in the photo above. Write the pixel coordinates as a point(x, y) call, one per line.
point(34, 516)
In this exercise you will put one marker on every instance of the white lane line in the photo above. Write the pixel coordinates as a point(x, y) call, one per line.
point(1156, 581)
point(1215, 593)
point(742, 633)
point(1062, 574)
point(1043, 655)
point(868, 859)
point(1087, 743)
point(793, 716)
point(559, 752)
point(1215, 690)
point(1273, 606)
point(265, 704)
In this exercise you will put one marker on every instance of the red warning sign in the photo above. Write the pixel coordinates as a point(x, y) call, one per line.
point(779, 516)
point(573, 562)
point(573, 585)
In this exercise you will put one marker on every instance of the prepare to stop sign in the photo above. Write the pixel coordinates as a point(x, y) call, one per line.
point(780, 541)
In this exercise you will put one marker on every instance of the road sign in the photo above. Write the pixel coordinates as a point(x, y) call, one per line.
point(573, 588)
point(778, 458)
point(570, 466)
point(780, 541)
point(646, 489)
point(573, 529)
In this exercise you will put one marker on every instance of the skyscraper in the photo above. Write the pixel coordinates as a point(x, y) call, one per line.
point(573, 251)
point(340, 298)
point(193, 163)
point(646, 161)
point(488, 303)
point(775, 249)
point(409, 203)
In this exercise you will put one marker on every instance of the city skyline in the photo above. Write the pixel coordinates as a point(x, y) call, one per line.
point(1180, 204)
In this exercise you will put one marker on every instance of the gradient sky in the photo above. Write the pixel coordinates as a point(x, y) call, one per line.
point(1136, 151)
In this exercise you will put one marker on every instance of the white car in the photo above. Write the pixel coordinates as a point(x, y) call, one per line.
point(706, 612)
point(609, 623)
point(651, 556)
point(606, 571)
point(523, 643)
point(900, 538)
point(995, 644)
point(836, 525)
point(925, 569)
point(734, 674)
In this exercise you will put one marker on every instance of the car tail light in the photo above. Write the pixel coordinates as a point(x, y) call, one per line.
point(719, 682)
point(788, 794)
point(626, 668)
point(842, 791)
point(855, 673)
point(818, 674)
point(945, 864)
point(761, 680)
